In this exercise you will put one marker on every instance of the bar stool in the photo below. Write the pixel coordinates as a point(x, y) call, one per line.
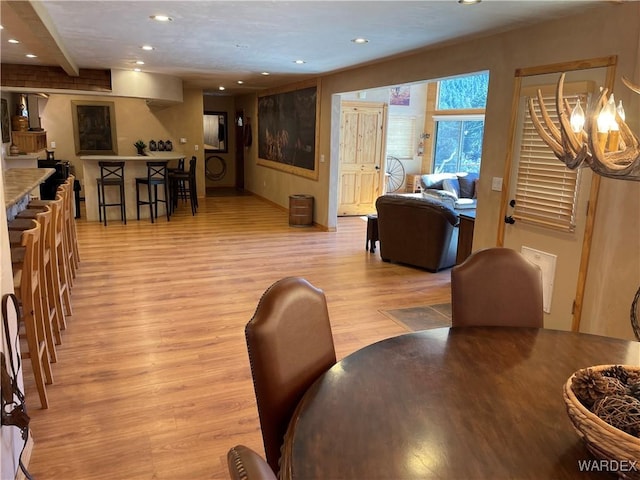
point(70, 226)
point(49, 312)
point(26, 284)
point(55, 279)
point(183, 180)
point(60, 246)
point(181, 188)
point(111, 174)
point(71, 253)
point(156, 175)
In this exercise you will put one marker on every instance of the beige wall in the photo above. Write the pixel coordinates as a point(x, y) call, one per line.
point(134, 120)
point(610, 30)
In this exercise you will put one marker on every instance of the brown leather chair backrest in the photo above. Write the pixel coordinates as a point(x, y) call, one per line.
point(245, 464)
point(496, 287)
point(290, 345)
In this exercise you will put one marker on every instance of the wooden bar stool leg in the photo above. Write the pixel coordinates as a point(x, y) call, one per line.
point(64, 276)
point(151, 202)
point(72, 222)
point(37, 354)
point(60, 290)
point(61, 256)
point(47, 312)
point(26, 285)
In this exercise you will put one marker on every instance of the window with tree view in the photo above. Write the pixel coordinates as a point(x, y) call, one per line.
point(459, 123)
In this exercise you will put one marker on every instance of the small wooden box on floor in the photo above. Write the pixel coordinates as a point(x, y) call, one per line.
point(300, 210)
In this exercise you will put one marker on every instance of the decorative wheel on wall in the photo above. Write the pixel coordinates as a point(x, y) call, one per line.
point(215, 167)
point(393, 174)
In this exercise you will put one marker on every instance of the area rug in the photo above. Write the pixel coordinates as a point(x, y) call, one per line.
point(422, 317)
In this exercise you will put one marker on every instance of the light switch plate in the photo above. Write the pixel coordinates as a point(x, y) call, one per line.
point(496, 184)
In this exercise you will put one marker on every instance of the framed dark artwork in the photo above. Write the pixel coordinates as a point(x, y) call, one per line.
point(215, 132)
point(94, 127)
point(6, 127)
point(287, 129)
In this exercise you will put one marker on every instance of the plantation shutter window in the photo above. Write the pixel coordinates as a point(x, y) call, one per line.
point(546, 190)
point(401, 136)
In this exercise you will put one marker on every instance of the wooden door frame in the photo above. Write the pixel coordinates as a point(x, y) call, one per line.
point(610, 64)
point(239, 148)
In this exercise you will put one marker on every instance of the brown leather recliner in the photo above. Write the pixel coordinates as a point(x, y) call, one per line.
point(246, 464)
point(417, 231)
point(290, 345)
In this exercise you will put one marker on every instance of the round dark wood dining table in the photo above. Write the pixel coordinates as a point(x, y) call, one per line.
point(454, 403)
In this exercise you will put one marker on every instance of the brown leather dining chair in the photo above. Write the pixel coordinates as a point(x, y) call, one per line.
point(496, 287)
point(290, 345)
point(245, 464)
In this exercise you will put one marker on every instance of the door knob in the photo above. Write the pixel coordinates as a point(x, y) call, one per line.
point(377, 167)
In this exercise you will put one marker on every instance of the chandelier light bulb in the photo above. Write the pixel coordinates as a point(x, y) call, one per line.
point(611, 113)
point(620, 110)
point(577, 118)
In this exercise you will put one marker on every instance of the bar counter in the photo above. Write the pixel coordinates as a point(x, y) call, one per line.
point(18, 183)
point(135, 166)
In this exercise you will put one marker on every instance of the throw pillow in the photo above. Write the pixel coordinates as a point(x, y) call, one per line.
point(467, 184)
point(434, 180)
point(452, 186)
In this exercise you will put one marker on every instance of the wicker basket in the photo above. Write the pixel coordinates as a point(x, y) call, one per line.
point(604, 441)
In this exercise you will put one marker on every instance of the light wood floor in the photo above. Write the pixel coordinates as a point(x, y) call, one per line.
point(153, 379)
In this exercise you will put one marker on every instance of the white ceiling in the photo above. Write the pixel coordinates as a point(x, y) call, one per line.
point(216, 43)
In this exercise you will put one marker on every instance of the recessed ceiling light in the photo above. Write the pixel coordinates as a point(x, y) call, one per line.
point(13, 40)
point(146, 47)
point(299, 62)
point(239, 82)
point(360, 40)
point(220, 87)
point(161, 18)
point(137, 70)
point(265, 73)
point(31, 55)
point(139, 62)
point(468, 2)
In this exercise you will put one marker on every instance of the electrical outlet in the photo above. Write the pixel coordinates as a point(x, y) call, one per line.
point(321, 158)
point(195, 147)
point(53, 144)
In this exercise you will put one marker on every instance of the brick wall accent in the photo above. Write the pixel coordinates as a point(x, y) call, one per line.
point(31, 76)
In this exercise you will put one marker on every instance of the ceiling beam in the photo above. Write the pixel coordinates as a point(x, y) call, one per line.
point(32, 24)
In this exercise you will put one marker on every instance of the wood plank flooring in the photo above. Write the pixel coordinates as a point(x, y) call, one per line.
point(153, 378)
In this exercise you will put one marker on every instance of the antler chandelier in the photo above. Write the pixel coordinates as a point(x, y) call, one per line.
point(601, 139)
